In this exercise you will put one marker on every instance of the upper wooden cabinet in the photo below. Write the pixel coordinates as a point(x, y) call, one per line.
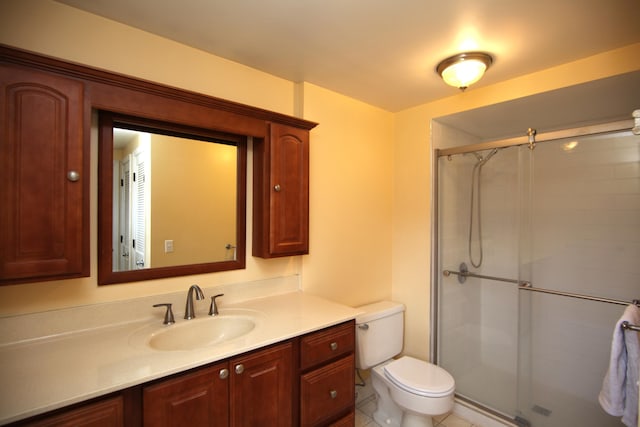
point(43, 177)
point(45, 125)
point(281, 192)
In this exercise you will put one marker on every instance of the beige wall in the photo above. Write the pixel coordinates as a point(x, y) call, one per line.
point(350, 199)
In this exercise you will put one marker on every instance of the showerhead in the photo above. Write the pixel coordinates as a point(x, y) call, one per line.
point(491, 153)
point(482, 160)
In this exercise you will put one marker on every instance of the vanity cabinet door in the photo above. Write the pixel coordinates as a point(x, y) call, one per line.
point(103, 413)
point(262, 387)
point(199, 398)
point(281, 192)
point(43, 180)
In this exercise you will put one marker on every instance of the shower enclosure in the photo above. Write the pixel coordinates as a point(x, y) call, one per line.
point(526, 234)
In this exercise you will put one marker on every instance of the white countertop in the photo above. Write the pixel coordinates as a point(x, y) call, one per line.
point(40, 375)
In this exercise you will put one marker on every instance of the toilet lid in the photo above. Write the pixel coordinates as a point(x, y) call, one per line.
point(419, 377)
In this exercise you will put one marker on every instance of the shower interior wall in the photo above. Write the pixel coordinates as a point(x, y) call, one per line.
point(522, 353)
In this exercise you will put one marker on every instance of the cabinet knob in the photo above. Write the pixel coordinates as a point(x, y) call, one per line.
point(334, 346)
point(239, 368)
point(73, 176)
point(224, 373)
point(333, 394)
point(277, 188)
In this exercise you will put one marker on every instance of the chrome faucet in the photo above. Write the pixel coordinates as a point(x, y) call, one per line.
point(188, 310)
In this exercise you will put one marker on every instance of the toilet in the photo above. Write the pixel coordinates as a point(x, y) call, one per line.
point(409, 391)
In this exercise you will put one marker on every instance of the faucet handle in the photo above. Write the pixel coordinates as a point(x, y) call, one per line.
point(213, 308)
point(168, 315)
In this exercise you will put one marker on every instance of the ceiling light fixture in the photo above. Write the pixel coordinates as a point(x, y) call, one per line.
point(464, 69)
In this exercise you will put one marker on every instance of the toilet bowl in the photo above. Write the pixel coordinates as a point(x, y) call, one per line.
point(419, 389)
point(409, 391)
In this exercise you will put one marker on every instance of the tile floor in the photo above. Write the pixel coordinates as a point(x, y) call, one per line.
point(366, 404)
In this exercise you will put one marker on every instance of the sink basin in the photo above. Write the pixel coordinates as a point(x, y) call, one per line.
point(196, 333)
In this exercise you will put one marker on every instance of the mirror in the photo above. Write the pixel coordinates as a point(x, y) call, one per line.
point(172, 199)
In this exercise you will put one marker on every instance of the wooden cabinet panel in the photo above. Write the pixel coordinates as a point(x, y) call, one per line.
point(281, 192)
point(327, 391)
point(347, 421)
point(327, 386)
point(256, 389)
point(43, 209)
point(199, 398)
point(104, 413)
point(262, 387)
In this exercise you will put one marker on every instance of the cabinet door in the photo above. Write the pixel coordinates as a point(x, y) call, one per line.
point(281, 199)
point(42, 177)
point(199, 398)
point(262, 388)
point(104, 413)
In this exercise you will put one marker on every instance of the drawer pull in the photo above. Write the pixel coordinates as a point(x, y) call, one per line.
point(333, 394)
point(239, 368)
point(224, 373)
point(334, 346)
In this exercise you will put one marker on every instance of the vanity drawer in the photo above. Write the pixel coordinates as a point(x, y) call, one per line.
point(327, 391)
point(346, 421)
point(319, 347)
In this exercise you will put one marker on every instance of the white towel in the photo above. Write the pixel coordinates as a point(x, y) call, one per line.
point(619, 394)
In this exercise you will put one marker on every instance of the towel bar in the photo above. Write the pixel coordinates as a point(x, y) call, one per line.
point(629, 326)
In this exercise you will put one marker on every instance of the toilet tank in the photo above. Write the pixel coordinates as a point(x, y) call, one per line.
point(379, 333)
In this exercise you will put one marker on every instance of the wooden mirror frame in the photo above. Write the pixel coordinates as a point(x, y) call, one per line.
point(106, 275)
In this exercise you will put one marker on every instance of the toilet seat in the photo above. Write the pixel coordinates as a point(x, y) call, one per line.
point(419, 377)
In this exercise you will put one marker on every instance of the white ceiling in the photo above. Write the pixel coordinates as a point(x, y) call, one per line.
point(384, 52)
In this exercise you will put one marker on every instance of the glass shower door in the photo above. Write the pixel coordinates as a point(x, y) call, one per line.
point(478, 319)
point(584, 221)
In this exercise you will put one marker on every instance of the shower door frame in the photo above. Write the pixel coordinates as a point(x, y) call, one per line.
point(615, 126)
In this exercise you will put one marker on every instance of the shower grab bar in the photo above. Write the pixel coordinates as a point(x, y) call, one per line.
point(464, 273)
point(527, 286)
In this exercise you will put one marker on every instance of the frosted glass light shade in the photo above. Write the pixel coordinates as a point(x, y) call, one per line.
point(464, 69)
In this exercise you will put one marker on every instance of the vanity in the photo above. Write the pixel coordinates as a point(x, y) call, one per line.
point(295, 367)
